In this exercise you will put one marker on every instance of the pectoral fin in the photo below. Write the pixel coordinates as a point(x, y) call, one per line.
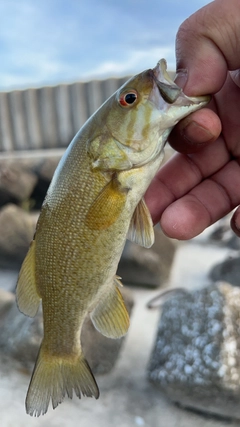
point(110, 317)
point(141, 226)
point(27, 296)
point(107, 207)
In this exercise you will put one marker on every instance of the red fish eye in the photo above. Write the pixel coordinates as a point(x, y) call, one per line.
point(127, 99)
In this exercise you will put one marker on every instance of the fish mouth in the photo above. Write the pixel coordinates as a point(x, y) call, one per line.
point(170, 91)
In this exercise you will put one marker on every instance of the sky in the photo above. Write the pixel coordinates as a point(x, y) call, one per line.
point(46, 42)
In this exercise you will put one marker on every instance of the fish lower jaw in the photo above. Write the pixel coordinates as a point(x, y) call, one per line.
point(199, 100)
point(190, 103)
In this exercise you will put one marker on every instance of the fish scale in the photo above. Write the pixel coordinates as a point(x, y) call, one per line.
point(94, 202)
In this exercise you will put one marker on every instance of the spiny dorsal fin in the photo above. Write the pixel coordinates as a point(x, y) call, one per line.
point(107, 207)
point(110, 317)
point(141, 226)
point(27, 296)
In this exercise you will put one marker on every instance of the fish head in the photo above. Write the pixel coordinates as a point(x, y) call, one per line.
point(170, 100)
point(144, 110)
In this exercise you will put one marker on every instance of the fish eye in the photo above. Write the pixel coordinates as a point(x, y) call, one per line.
point(129, 98)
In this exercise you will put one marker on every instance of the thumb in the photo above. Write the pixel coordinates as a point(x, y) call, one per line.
point(235, 75)
point(207, 46)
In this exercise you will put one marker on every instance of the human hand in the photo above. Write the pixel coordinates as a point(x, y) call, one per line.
point(202, 184)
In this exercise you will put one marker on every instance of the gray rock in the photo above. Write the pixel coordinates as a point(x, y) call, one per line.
point(41, 163)
point(16, 232)
point(46, 168)
point(21, 336)
point(195, 360)
point(227, 271)
point(147, 267)
point(7, 299)
point(8, 279)
point(16, 180)
point(24, 180)
point(223, 235)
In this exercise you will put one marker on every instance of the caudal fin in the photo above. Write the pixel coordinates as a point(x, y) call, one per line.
point(55, 377)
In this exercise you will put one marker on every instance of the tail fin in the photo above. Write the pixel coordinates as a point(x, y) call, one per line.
point(54, 377)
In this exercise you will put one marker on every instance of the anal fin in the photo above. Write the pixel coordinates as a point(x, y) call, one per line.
point(27, 296)
point(141, 226)
point(110, 317)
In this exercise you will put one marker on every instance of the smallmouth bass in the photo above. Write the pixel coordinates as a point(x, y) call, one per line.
point(94, 202)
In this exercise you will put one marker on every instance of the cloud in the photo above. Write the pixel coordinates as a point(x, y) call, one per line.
point(46, 42)
point(134, 62)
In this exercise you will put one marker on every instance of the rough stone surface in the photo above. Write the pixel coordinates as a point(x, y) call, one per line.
point(21, 336)
point(228, 271)
point(17, 181)
point(195, 360)
point(7, 299)
point(8, 279)
point(25, 180)
point(46, 167)
point(16, 232)
point(147, 267)
point(223, 234)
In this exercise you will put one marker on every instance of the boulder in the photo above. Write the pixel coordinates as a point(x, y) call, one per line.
point(7, 299)
point(21, 336)
point(8, 279)
point(44, 171)
point(223, 235)
point(17, 181)
point(227, 271)
point(195, 360)
point(46, 168)
point(16, 232)
point(25, 180)
point(147, 267)
point(6, 197)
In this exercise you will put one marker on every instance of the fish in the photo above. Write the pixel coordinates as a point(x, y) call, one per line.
point(94, 203)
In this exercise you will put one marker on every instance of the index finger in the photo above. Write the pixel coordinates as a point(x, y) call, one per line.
point(182, 173)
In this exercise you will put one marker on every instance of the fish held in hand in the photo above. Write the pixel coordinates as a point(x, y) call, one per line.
point(94, 202)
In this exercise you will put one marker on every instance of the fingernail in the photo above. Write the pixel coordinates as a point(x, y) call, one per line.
point(235, 75)
point(235, 223)
point(181, 77)
point(194, 132)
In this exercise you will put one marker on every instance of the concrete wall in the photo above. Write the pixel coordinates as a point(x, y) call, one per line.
point(49, 117)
